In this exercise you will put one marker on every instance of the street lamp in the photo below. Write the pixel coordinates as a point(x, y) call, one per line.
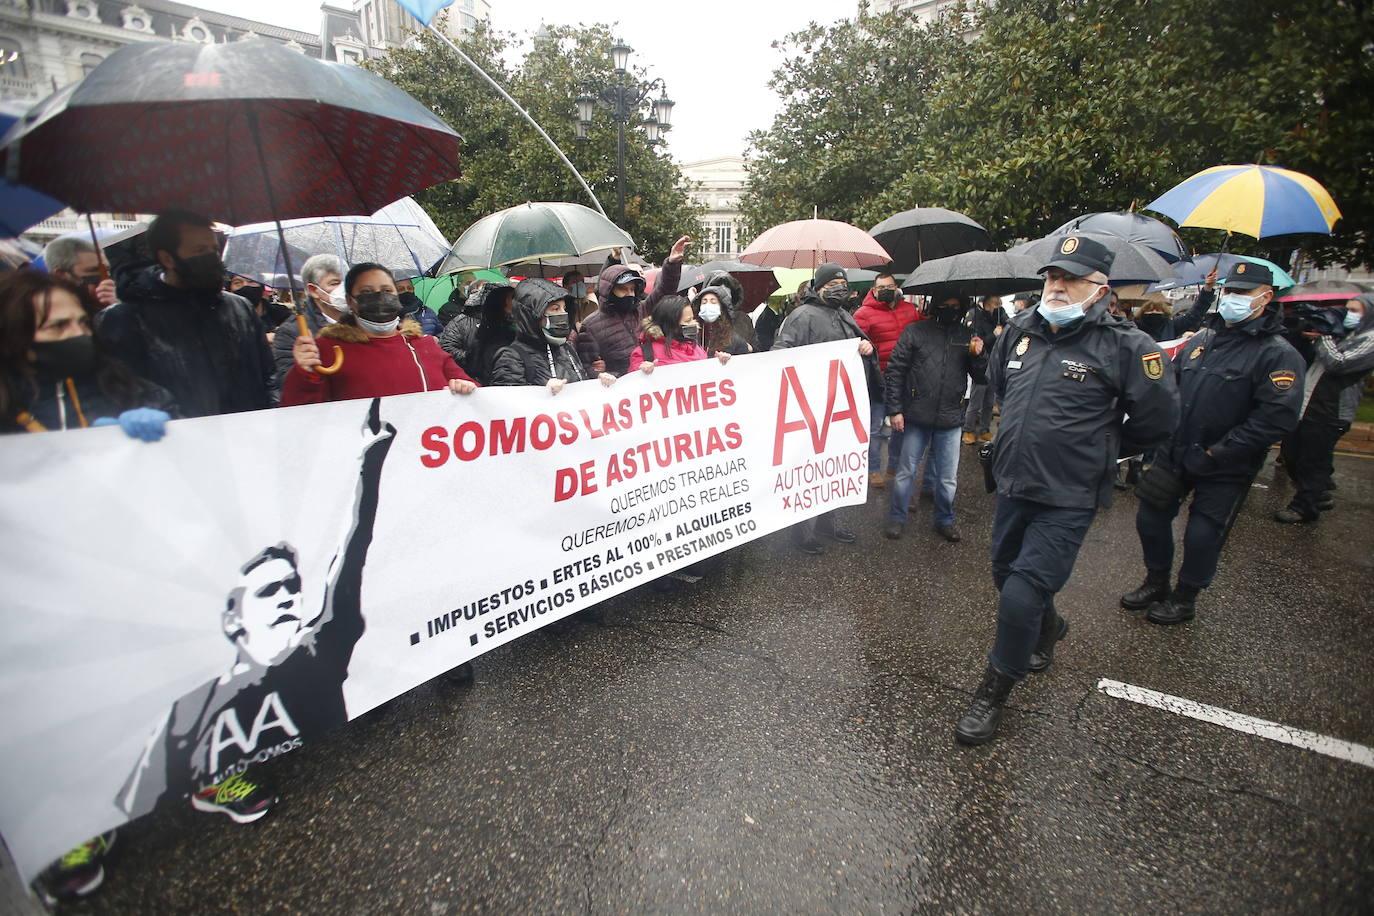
point(623, 98)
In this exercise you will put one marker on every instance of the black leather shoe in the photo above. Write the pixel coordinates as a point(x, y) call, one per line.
point(949, 533)
point(893, 531)
point(1043, 656)
point(839, 533)
point(978, 724)
point(1154, 588)
point(1177, 608)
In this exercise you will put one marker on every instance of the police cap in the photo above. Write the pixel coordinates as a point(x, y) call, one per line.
point(1080, 256)
point(1248, 275)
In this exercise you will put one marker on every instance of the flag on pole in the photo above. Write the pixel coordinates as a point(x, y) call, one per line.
point(423, 10)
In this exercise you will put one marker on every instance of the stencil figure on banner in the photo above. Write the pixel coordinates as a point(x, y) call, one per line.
point(541, 353)
point(175, 326)
point(610, 334)
point(322, 275)
point(285, 686)
point(486, 325)
point(381, 355)
point(671, 335)
point(821, 317)
point(54, 377)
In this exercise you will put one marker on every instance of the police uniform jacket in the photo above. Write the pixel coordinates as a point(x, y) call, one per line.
point(1241, 390)
point(1063, 398)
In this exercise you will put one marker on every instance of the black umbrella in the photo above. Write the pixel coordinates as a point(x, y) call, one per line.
point(1134, 228)
point(1132, 264)
point(241, 132)
point(926, 233)
point(757, 282)
point(974, 273)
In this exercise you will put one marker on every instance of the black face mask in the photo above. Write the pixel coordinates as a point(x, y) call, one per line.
point(378, 307)
point(885, 295)
point(690, 333)
point(836, 296)
point(409, 301)
point(201, 273)
point(252, 293)
point(624, 303)
point(556, 326)
point(58, 359)
point(947, 315)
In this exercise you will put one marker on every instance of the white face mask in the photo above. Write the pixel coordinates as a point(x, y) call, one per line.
point(339, 299)
point(378, 327)
point(710, 311)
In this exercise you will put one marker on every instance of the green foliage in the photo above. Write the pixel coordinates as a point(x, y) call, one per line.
point(1047, 109)
point(505, 162)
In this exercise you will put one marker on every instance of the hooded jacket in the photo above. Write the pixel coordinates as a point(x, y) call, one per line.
point(611, 334)
point(531, 359)
point(884, 322)
point(207, 350)
point(1336, 377)
point(403, 363)
point(739, 318)
point(1073, 401)
point(665, 352)
point(928, 373)
point(463, 339)
point(1240, 389)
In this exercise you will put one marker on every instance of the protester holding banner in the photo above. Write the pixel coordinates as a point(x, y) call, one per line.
point(670, 335)
point(820, 317)
point(715, 309)
point(486, 325)
point(541, 354)
point(55, 376)
point(381, 355)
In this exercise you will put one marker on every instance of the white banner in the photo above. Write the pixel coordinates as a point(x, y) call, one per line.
point(174, 612)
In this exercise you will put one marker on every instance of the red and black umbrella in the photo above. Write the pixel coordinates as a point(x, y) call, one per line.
point(242, 132)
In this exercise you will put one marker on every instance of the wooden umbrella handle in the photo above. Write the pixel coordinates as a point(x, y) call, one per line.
point(304, 330)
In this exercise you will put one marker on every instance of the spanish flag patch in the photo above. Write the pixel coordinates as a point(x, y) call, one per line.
point(1283, 379)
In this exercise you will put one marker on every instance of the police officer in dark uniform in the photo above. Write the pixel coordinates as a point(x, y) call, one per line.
point(1078, 387)
point(1241, 385)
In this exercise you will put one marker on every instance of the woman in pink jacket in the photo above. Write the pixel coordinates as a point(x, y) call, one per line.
point(670, 335)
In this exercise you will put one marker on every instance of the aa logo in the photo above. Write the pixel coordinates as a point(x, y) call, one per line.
point(839, 405)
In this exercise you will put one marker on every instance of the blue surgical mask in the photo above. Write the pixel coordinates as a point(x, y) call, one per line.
point(710, 311)
point(1233, 307)
point(1064, 314)
point(1351, 320)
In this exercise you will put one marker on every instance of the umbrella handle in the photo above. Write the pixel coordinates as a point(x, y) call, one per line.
point(304, 330)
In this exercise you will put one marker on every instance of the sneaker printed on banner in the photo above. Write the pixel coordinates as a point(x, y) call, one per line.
point(237, 797)
point(77, 874)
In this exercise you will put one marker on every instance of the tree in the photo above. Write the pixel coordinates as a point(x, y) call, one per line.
point(506, 163)
point(1046, 109)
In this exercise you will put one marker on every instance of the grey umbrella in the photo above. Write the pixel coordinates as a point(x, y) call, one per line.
point(974, 273)
point(533, 232)
point(1132, 263)
point(1134, 228)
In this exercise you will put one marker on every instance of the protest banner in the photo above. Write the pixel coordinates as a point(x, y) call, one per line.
point(176, 612)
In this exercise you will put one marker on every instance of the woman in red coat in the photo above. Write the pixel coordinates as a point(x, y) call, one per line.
point(381, 354)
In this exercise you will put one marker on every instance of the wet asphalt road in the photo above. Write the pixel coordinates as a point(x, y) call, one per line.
point(778, 738)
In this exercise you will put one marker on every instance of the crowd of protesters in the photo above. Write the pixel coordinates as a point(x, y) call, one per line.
point(176, 336)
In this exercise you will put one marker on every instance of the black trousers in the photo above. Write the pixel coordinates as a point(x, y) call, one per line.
point(1308, 457)
point(1216, 503)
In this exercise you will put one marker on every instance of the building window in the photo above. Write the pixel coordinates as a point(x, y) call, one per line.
point(469, 21)
point(89, 62)
point(12, 59)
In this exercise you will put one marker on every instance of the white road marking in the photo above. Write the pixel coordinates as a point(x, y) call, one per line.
point(1274, 731)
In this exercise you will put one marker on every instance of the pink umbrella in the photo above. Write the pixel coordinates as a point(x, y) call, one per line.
point(810, 243)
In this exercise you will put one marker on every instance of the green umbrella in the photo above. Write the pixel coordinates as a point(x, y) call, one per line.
point(434, 291)
point(533, 232)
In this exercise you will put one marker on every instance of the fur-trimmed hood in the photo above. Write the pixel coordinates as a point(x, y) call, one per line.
point(351, 333)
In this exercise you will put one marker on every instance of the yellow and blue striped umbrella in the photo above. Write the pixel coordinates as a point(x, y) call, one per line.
point(1254, 200)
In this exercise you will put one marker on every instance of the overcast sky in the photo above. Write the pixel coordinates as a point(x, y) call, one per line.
point(715, 55)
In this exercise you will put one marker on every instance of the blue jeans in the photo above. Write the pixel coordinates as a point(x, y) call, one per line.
point(1034, 547)
point(942, 470)
point(877, 412)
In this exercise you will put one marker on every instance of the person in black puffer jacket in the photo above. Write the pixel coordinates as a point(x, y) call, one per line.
point(541, 354)
point(474, 337)
point(611, 333)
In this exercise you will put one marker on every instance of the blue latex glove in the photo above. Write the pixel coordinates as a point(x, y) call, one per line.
point(144, 423)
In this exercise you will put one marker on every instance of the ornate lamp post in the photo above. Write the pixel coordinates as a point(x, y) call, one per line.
point(624, 99)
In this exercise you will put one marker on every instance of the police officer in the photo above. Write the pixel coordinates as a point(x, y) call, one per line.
point(1241, 385)
point(1078, 387)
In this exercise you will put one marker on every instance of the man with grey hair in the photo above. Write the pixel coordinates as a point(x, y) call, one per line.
point(1078, 387)
point(74, 258)
point(321, 274)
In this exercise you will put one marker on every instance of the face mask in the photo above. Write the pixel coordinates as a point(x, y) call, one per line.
point(409, 301)
point(339, 299)
point(252, 293)
point(379, 307)
point(625, 303)
point(1351, 320)
point(578, 290)
point(710, 312)
point(556, 327)
point(65, 358)
point(1064, 314)
point(836, 295)
point(1233, 307)
point(885, 295)
point(689, 332)
point(377, 327)
point(203, 272)
point(948, 315)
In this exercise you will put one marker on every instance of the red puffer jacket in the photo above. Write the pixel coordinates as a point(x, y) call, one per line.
point(883, 323)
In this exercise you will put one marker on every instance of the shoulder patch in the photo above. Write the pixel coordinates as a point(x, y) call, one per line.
point(1153, 364)
point(1283, 379)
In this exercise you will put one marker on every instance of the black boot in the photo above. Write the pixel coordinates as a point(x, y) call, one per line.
point(1154, 588)
point(978, 724)
point(1043, 656)
point(1177, 608)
